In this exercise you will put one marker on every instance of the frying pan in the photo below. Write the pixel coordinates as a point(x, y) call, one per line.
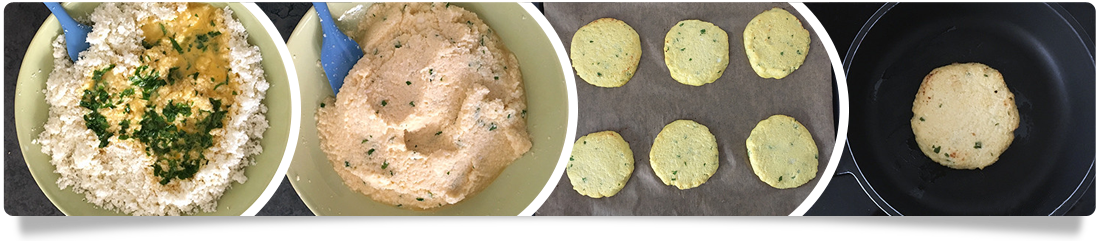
point(1049, 66)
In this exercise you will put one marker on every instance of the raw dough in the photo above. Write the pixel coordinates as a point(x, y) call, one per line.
point(432, 113)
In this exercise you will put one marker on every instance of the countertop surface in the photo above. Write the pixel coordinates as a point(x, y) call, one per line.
point(22, 197)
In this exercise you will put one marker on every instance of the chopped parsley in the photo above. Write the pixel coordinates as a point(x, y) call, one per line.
point(179, 153)
point(148, 82)
point(176, 46)
point(97, 123)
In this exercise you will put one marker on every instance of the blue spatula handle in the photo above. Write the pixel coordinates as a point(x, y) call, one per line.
point(76, 34)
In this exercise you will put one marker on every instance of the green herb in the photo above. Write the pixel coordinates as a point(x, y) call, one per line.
point(408, 82)
point(346, 164)
point(978, 145)
point(98, 124)
point(219, 84)
point(172, 110)
point(385, 165)
point(174, 74)
point(439, 133)
point(369, 152)
point(176, 45)
point(398, 44)
point(419, 199)
point(147, 45)
point(322, 105)
point(936, 149)
point(780, 178)
point(496, 77)
point(384, 102)
point(163, 29)
point(201, 40)
point(946, 154)
point(179, 153)
point(412, 103)
point(97, 75)
point(492, 128)
point(212, 24)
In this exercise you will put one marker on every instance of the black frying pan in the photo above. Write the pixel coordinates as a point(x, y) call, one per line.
point(1045, 60)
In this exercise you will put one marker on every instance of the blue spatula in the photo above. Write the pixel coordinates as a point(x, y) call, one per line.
point(338, 53)
point(76, 34)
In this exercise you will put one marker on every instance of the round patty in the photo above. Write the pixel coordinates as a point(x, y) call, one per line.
point(776, 43)
point(605, 52)
point(782, 152)
point(696, 52)
point(684, 154)
point(964, 115)
point(600, 164)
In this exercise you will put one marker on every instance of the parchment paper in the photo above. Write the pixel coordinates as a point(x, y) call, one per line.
point(730, 107)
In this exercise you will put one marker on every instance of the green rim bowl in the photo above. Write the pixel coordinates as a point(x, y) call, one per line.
point(282, 101)
point(521, 188)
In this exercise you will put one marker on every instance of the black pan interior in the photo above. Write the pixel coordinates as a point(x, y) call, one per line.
point(1044, 61)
